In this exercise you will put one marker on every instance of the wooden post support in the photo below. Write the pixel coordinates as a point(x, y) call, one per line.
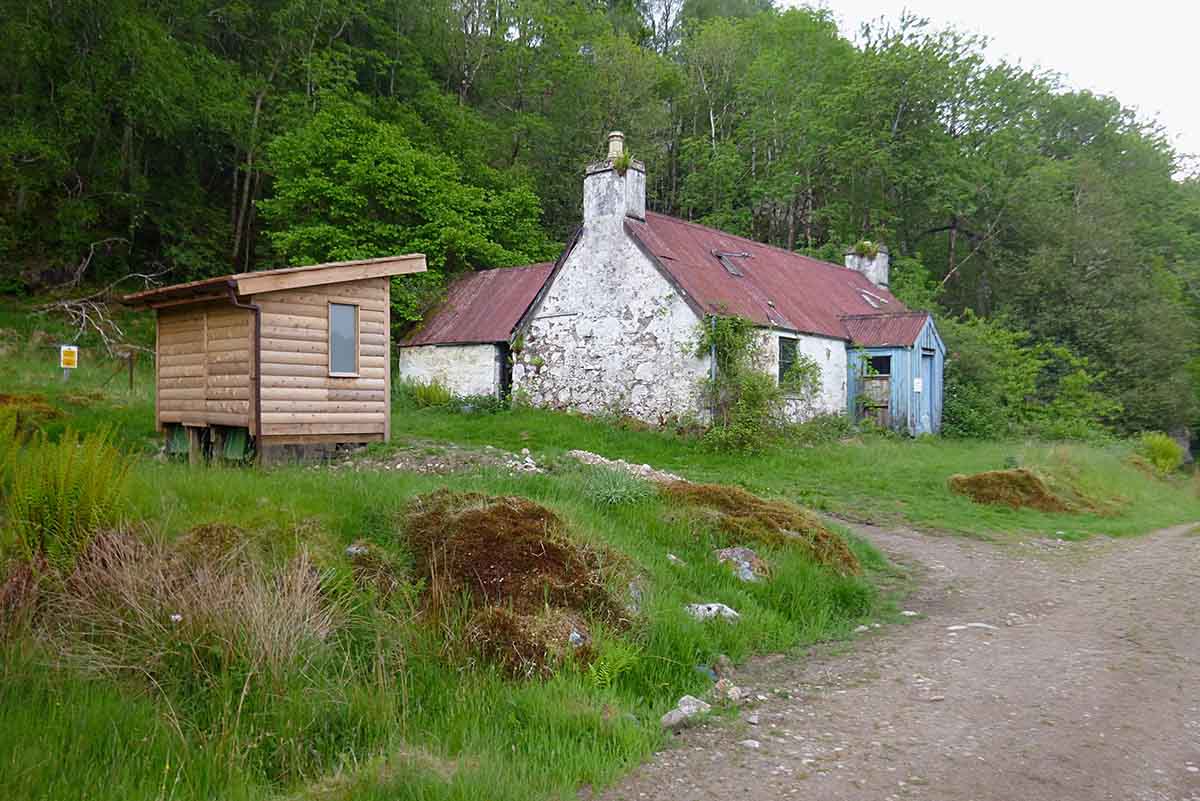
point(132, 353)
point(195, 446)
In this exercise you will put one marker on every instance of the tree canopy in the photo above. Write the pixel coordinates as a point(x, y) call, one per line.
point(196, 140)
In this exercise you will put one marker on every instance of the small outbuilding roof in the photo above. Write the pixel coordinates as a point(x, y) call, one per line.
point(885, 330)
point(271, 280)
point(770, 286)
point(482, 307)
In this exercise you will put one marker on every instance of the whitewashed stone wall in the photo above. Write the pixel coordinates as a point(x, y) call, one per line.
point(463, 369)
point(830, 356)
point(612, 335)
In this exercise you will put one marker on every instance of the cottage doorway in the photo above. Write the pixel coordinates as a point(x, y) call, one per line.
point(877, 392)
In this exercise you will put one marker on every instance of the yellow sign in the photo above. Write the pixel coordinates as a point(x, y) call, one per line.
point(68, 357)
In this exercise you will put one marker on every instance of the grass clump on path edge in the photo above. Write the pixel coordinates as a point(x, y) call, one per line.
point(389, 700)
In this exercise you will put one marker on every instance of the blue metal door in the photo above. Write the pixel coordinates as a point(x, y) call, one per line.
point(925, 399)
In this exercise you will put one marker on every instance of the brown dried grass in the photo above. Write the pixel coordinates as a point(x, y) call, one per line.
point(151, 610)
point(528, 646)
point(745, 516)
point(1018, 488)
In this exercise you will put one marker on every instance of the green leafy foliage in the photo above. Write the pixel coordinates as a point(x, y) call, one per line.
point(746, 402)
point(348, 186)
point(1161, 451)
point(998, 385)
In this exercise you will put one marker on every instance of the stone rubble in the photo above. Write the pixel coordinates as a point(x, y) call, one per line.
point(746, 564)
point(709, 611)
point(642, 471)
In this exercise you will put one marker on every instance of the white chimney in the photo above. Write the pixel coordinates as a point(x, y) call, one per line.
point(616, 187)
point(875, 267)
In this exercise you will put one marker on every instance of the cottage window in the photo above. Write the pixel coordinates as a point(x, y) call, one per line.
point(787, 356)
point(881, 365)
point(343, 339)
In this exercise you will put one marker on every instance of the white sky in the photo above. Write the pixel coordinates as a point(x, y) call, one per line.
point(1146, 54)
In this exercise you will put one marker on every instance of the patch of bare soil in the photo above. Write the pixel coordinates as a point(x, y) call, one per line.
point(747, 516)
point(1040, 671)
point(435, 458)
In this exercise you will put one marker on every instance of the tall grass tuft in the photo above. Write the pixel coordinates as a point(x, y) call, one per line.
point(63, 493)
point(423, 394)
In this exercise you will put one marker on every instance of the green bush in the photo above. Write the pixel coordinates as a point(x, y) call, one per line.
point(746, 402)
point(62, 493)
point(1161, 451)
point(821, 429)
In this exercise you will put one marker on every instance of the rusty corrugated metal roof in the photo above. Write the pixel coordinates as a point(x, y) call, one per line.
point(482, 307)
point(776, 287)
point(885, 330)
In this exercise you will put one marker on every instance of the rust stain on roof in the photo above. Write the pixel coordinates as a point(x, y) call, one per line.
point(776, 287)
point(482, 307)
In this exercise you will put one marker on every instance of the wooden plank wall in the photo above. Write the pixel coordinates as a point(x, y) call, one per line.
point(299, 397)
point(204, 356)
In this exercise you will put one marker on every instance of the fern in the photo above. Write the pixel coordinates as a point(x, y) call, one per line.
point(617, 659)
point(62, 493)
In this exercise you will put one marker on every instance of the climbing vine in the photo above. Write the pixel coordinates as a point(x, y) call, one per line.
point(746, 403)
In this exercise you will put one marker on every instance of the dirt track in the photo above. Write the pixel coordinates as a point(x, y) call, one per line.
point(1087, 687)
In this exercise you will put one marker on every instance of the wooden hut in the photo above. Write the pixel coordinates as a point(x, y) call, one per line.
point(279, 362)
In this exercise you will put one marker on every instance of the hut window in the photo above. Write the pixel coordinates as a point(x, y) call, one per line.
point(881, 365)
point(787, 356)
point(343, 339)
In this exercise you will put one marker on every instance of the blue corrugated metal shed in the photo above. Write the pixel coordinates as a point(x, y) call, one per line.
point(915, 383)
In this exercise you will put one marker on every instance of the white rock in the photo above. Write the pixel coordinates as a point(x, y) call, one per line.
point(861, 629)
point(675, 560)
point(686, 710)
point(709, 611)
point(752, 719)
point(956, 628)
point(981, 626)
point(909, 613)
point(751, 744)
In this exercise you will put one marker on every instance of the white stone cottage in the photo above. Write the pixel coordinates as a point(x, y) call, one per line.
point(613, 324)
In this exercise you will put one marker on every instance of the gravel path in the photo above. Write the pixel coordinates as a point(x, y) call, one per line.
point(1082, 683)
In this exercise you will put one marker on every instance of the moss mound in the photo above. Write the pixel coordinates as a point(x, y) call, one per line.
point(531, 588)
point(1017, 488)
point(744, 515)
point(529, 646)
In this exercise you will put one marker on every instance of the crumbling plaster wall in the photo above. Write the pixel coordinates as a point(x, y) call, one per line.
point(830, 356)
point(612, 335)
point(463, 369)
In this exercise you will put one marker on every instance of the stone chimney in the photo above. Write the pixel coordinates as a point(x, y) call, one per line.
point(614, 188)
point(875, 267)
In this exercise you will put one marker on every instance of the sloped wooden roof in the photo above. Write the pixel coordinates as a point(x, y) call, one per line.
point(253, 283)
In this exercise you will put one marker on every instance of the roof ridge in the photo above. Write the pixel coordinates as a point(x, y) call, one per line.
point(908, 313)
point(767, 245)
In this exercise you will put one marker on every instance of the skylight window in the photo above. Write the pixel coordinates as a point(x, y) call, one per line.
point(872, 299)
point(727, 261)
